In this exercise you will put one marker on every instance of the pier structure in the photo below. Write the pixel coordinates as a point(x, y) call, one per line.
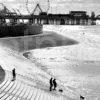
point(73, 18)
point(53, 19)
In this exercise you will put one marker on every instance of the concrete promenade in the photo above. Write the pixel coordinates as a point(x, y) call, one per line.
point(24, 88)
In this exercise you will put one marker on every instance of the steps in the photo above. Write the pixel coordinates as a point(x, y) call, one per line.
point(2, 75)
point(23, 89)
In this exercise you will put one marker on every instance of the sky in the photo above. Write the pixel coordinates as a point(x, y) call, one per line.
point(56, 6)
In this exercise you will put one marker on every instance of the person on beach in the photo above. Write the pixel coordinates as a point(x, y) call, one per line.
point(55, 84)
point(51, 83)
point(14, 74)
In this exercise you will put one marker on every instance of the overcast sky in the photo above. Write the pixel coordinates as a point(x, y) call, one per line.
point(56, 6)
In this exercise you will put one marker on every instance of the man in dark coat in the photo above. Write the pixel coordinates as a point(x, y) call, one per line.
point(14, 74)
point(55, 84)
point(51, 84)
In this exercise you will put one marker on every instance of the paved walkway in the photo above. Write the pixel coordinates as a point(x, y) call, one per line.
point(2, 75)
point(24, 88)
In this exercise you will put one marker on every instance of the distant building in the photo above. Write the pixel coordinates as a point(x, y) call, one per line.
point(73, 18)
point(78, 13)
point(79, 18)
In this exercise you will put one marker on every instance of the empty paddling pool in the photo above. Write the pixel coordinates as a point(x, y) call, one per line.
point(2, 74)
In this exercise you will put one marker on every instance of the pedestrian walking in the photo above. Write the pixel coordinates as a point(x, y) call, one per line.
point(51, 83)
point(13, 74)
point(55, 84)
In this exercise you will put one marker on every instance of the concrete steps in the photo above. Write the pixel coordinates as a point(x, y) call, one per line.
point(2, 75)
point(22, 90)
